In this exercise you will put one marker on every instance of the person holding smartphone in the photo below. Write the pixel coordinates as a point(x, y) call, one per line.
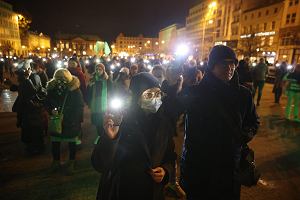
point(136, 156)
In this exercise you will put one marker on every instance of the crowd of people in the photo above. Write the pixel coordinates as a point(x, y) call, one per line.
point(154, 119)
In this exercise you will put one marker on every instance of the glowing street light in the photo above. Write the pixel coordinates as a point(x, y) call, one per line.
point(212, 5)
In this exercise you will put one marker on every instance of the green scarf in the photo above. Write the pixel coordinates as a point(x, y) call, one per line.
point(99, 102)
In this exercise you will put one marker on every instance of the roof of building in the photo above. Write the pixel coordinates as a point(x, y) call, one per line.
point(264, 4)
point(68, 36)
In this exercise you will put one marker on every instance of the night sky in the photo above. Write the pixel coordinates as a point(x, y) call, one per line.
point(104, 18)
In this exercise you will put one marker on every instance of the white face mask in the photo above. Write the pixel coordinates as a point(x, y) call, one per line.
point(151, 105)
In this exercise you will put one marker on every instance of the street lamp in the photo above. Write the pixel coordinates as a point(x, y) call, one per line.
point(211, 7)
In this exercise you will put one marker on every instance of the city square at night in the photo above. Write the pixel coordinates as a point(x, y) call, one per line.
point(152, 100)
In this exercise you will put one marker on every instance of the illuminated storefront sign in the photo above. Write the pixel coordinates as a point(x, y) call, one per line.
point(265, 33)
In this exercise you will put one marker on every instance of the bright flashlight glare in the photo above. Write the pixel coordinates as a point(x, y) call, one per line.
point(2, 59)
point(54, 55)
point(149, 67)
point(165, 62)
point(116, 103)
point(190, 58)
point(66, 63)
point(87, 62)
point(44, 59)
point(118, 64)
point(182, 50)
point(97, 60)
point(146, 61)
point(277, 65)
point(201, 63)
point(289, 67)
point(15, 58)
point(108, 60)
point(132, 60)
point(253, 64)
point(112, 67)
point(16, 64)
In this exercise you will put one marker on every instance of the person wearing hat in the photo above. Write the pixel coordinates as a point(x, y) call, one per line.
point(63, 91)
point(220, 118)
point(28, 109)
point(136, 155)
point(75, 70)
point(98, 90)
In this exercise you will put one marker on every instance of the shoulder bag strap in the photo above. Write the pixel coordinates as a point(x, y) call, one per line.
point(63, 106)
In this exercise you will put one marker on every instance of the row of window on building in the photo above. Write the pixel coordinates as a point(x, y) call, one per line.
point(75, 46)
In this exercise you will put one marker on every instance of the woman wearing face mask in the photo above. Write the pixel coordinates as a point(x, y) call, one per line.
point(136, 156)
point(98, 91)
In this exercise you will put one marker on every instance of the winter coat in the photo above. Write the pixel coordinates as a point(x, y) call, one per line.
point(259, 72)
point(73, 110)
point(220, 117)
point(143, 142)
point(79, 74)
point(94, 100)
point(279, 75)
point(28, 109)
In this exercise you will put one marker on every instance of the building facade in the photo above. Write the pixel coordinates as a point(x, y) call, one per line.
point(259, 30)
point(169, 37)
point(289, 42)
point(10, 42)
point(35, 43)
point(68, 44)
point(209, 23)
point(135, 45)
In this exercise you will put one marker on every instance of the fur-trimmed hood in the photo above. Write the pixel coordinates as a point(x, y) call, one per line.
point(73, 85)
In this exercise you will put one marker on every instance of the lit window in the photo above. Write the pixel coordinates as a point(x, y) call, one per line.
point(271, 39)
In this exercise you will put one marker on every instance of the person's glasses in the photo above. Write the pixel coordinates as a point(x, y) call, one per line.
point(152, 94)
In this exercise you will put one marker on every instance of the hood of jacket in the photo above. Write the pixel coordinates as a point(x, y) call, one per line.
point(73, 85)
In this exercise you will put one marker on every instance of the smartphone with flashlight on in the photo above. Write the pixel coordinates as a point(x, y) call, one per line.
point(115, 110)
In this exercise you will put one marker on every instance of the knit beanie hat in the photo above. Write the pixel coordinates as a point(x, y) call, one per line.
point(142, 82)
point(220, 53)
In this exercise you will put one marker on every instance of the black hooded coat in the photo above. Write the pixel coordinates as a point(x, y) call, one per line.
point(143, 142)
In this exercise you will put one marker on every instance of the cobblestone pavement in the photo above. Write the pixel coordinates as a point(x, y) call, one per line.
point(277, 150)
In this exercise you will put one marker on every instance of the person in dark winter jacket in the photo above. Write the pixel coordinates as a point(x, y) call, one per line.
point(245, 74)
point(259, 77)
point(63, 91)
point(135, 158)
point(220, 119)
point(28, 109)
